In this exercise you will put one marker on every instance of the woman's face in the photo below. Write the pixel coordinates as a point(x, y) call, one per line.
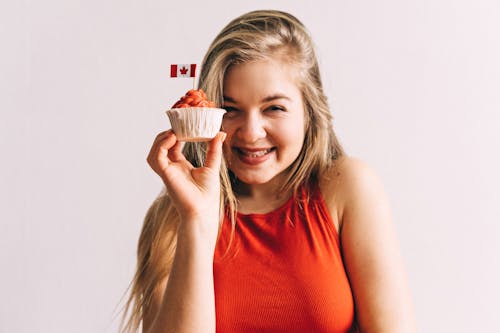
point(264, 120)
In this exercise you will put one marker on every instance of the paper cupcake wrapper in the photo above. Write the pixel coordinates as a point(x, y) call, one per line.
point(195, 124)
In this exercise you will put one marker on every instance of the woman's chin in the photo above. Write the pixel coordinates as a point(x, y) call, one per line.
point(258, 179)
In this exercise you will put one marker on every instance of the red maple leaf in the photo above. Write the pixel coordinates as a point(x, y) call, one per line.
point(183, 70)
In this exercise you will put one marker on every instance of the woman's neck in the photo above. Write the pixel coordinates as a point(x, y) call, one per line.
point(260, 198)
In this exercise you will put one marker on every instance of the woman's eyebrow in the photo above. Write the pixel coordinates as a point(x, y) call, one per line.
point(264, 100)
point(274, 97)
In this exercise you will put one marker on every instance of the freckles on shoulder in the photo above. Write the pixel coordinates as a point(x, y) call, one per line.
point(348, 183)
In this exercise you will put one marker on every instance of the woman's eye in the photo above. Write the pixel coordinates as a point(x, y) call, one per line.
point(276, 108)
point(230, 111)
point(229, 108)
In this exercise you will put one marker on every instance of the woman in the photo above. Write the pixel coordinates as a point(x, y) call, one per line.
point(269, 227)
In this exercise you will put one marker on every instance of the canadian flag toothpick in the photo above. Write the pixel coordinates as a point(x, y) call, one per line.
point(183, 70)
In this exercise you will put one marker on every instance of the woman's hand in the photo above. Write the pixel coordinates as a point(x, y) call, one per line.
point(186, 302)
point(195, 191)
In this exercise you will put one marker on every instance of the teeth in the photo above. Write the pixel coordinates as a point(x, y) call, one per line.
point(255, 153)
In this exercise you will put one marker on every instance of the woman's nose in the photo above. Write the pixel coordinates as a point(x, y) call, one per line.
point(252, 128)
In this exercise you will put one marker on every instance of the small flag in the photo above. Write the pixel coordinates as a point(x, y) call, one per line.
point(183, 70)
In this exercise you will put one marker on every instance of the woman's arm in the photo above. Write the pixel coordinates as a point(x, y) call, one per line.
point(371, 252)
point(185, 303)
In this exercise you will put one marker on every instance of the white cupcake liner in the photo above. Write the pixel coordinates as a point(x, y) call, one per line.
point(196, 123)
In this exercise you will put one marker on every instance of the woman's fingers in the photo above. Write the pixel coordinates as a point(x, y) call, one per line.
point(214, 153)
point(158, 155)
point(175, 153)
point(167, 151)
point(161, 136)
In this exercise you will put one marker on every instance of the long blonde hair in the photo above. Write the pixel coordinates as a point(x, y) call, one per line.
point(257, 35)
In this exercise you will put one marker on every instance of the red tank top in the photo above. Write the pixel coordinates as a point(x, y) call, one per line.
point(283, 272)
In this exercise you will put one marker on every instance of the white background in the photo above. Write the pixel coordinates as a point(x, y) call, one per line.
point(414, 88)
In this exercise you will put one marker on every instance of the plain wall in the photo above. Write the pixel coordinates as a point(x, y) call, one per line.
point(414, 89)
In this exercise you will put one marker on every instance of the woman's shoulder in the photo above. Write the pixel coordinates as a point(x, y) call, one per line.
point(346, 182)
point(347, 174)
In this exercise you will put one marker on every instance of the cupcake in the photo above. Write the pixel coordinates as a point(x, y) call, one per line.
point(194, 118)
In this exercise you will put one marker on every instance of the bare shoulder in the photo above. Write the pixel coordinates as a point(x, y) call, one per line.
point(353, 175)
point(369, 246)
point(348, 183)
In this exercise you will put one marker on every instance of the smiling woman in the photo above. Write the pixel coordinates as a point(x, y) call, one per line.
point(264, 123)
point(269, 227)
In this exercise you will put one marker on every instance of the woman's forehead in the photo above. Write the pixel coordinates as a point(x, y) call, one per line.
point(261, 79)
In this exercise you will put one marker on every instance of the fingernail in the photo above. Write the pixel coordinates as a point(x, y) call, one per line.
point(223, 136)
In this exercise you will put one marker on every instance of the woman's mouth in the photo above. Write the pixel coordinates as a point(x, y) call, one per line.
point(253, 156)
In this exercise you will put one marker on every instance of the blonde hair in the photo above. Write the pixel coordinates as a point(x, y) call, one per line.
point(257, 35)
